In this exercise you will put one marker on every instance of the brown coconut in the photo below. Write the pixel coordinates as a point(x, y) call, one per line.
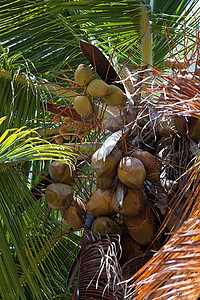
point(117, 96)
point(141, 227)
point(131, 172)
point(75, 214)
point(83, 75)
point(130, 249)
point(150, 164)
point(175, 125)
point(104, 182)
point(59, 195)
point(108, 166)
point(194, 128)
point(100, 203)
point(60, 172)
point(83, 106)
point(106, 225)
point(97, 88)
point(59, 139)
point(134, 201)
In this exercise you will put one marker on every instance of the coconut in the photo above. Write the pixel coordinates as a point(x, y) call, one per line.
point(83, 75)
point(176, 64)
point(83, 106)
point(59, 195)
point(59, 139)
point(130, 248)
point(131, 172)
point(194, 128)
point(106, 225)
point(97, 88)
point(117, 96)
point(75, 214)
point(100, 203)
point(60, 172)
point(107, 167)
point(57, 119)
point(150, 164)
point(105, 182)
point(141, 227)
point(134, 201)
point(170, 127)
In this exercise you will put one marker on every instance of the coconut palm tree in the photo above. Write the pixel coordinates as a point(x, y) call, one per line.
point(41, 35)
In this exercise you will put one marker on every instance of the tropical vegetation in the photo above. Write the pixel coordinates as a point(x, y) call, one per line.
point(42, 44)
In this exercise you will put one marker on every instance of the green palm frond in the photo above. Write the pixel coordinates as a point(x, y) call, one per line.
point(33, 250)
point(17, 145)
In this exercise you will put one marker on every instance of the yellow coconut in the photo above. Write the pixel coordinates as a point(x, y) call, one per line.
point(106, 225)
point(59, 195)
point(83, 75)
point(117, 96)
point(150, 164)
point(100, 203)
point(97, 88)
point(141, 227)
point(131, 172)
point(133, 202)
point(60, 172)
point(83, 106)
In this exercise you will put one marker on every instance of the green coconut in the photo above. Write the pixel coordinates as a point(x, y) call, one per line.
point(97, 88)
point(83, 75)
point(117, 96)
point(83, 106)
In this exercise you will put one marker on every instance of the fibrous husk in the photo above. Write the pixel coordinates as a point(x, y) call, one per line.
point(83, 75)
point(75, 214)
point(176, 64)
point(150, 164)
point(59, 195)
point(194, 128)
point(131, 172)
point(104, 182)
point(141, 227)
point(133, 203)
point(100, 203)
point(167, 127)
point(107, 167)
point(83, 106)
point(130, 248)
point(117, 96)
point(106, 225)
point(97, 88)
point(61, 172)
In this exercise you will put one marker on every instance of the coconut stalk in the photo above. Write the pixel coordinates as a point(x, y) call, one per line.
point(147, 38)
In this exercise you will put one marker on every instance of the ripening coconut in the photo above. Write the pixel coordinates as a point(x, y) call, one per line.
point(83, 75)
point(130, 248)
point(60, 172)
point(150, 164)
point(104, 182)
point(117, 96)
point(59, 139)
point(107, 167)
point(83, 106)
point(97, 88)
point(100, 203)
point(141, 227)
point(105, 225)
point(194, 128)
point(59, 195)
point(133, 202)
point(131, 172)
point(75, 214)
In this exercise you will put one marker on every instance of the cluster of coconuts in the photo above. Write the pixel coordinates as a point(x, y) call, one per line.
point(120, 195)
point(94, 88)
point(60, 196)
